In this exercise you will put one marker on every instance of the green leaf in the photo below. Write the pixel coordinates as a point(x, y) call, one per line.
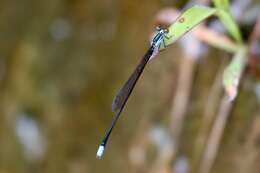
point(186, 21)
point(233, 72)
point(222, 4)
point(195, 15)
point(230, 24)
point(224, 15)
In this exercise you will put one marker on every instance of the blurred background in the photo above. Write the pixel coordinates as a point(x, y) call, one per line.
point(62, 62)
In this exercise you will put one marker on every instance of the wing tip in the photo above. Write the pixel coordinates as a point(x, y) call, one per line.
point(115, 104)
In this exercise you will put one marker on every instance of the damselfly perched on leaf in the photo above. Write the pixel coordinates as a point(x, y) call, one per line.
point(124, 93)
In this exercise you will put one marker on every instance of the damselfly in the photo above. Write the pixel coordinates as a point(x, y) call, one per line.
point(124, 93)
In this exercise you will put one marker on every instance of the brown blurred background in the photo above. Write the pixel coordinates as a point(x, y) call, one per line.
point(62, 62)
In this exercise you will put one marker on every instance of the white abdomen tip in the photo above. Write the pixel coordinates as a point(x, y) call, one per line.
point(100, 151)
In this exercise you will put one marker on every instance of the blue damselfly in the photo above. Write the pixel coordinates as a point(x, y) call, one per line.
point(124, 93)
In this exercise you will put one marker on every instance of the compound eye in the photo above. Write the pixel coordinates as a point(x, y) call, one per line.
point(158, 28)
point(166, 30)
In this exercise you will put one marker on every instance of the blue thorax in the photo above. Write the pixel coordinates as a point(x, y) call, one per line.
point(158, 38)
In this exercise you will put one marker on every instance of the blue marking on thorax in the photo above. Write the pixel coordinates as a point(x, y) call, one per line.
point(158, 39)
